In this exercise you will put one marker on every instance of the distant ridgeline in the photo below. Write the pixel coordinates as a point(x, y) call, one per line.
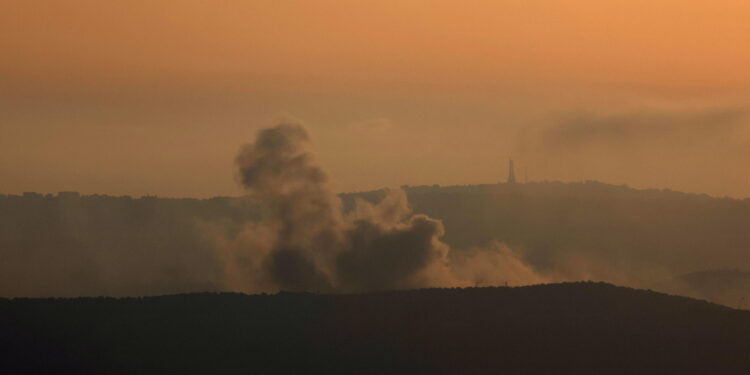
point(71, 245)
point(566, 231)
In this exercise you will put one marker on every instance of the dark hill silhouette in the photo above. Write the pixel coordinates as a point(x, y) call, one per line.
point(549, 220)
point(573, 328)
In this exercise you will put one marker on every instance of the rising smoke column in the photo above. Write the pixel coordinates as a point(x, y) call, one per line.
point(312, 245)
point(305, 216)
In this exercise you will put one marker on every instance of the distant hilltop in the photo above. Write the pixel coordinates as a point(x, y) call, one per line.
point(545, 186)
point(599, 189)
point(563, 231)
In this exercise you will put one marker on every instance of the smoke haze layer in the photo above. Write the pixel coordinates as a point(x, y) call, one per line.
point(701, 151)
point(292, 232)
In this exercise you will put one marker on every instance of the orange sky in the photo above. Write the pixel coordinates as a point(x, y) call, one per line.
point(155, 97)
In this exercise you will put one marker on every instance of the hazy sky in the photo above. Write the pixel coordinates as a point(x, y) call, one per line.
point(156, 97)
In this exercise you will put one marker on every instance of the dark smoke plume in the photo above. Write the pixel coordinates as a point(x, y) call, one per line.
point(282, 176)
point(311, 244)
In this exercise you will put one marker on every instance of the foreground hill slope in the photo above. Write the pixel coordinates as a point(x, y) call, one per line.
point(559, 328)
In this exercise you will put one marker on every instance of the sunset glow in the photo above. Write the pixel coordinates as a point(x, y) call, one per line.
point(461, 86)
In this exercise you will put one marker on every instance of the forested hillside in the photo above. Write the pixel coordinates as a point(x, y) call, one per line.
point(579, 328)
point(71, 245)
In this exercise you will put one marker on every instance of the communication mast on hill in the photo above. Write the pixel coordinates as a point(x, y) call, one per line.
point(511, 173)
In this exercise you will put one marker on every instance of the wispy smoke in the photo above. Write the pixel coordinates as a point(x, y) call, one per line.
point(308, 242)
point(702, 151)
point(578, 129)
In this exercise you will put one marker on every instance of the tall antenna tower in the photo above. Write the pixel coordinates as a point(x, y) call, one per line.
point(511, 173)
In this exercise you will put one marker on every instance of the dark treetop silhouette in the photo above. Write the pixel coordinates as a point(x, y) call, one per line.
point(579, 328)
